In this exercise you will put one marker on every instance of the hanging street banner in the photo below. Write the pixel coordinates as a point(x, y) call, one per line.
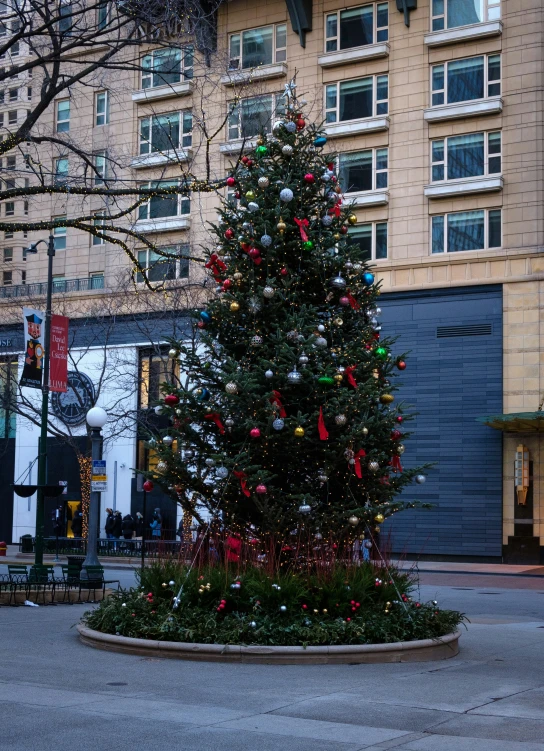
point(34, 322)
point(99, 477)
point(58, 361)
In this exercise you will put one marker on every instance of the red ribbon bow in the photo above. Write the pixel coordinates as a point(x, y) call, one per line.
point(336, 210)
point(349, 376)
point(217, 420)
point(301, 224)
point(216, 265)
point(323, 432)
point(352, 301)
point(357, 465)
point(275, 400)
point(395, 463)
point(243, 482)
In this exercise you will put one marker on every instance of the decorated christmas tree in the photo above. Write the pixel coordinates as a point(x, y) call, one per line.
point(284, 420)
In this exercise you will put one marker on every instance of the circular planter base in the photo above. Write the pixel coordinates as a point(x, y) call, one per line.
point(410, 651)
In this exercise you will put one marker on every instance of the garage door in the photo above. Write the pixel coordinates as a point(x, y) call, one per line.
point(454, 375)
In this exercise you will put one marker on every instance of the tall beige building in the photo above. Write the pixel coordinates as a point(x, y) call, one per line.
point(438, 128)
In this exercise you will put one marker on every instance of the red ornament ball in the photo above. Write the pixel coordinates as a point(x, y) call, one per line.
point(344, 301)
point(401, 365)
point(171, 400)
point(284, 271)
point(330, 166)
point(148, 486)
point(229, 234)
point(396, 435)
point(344, 230)
point(227, 284)
point(237, 195)
point(245, 159)
point(249, 163)
point(231, 181)
point(254, 252)
point(255, 433)
point(245, 246)
point(399, 418)
point(309, 178)
point(260, 489)
point(201, 325)
point(300, 123)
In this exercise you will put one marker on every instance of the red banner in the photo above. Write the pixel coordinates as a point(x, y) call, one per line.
point(58, 362)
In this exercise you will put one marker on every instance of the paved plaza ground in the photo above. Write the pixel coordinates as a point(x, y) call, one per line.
point(58, 695)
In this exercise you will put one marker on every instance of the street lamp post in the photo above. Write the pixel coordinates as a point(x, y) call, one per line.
point(96, 419)
point(42, 449)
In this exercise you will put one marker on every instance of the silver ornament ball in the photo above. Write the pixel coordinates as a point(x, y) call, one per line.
point(231, 388)
point(294, 376)
point(256, 341)
point(269, 374)
point(373, 466)
point(286, 195)
point(266, 241)
point(304, 508)
point(278, 424)
point(303, 359)
point(420, 479)
point(263, 182)
point(326, 220)
point(340, 420)
point(222, 473)
point(290, 126)
point(338, 282)
point(353, 520)
point(269, 292)
point(210, 462)
point(321, 328)
point(320, 342)
point(168, 440)
point(253, 207)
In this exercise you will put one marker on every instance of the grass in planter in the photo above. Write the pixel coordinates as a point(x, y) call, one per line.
point(341, 605)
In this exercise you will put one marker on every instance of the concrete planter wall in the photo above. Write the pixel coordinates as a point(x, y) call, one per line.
point(411, 651)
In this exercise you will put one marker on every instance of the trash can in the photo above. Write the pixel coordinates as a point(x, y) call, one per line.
point(26, 544)
point(75, 560)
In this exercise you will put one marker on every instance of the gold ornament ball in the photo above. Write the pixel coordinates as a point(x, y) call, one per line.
point(364, 431)
point(164, 585)
point(237, 276)
point(338, 377)
point(352, 219)
point(260, 141)
point(281, 227)
point(172, 353)
point(337, 321)
point(337, 236)
point(387, 398)
point(235, 307)
point(387, 604)
point(400, 449)
point(379, 518)
point(299, 432)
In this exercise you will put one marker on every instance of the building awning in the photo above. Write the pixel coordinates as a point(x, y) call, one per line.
point(518, 422)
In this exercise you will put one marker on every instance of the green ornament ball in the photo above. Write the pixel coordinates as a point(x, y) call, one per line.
point(381, 352)
point(261, 150)
point(250, 195)
point(325, 381)
point(308, 244)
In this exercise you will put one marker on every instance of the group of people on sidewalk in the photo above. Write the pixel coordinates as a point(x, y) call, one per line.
point(130, 528)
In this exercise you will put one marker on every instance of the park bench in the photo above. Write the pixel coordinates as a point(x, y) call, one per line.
point(94, 580)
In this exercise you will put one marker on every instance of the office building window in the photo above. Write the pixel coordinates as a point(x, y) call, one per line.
point(103, 15)
point(160, 207)
point(450, 14)
point(156, 368)
point(254, 115)
point(99, 223)
point(101, 167)
point(355, 99)
point(10, 208)
point(255, 47)
point(466, 80)
point(356, 27)
point(471, 155)
point(466, 230)
point(59, 233)
point(61, 170)
point(102, 108)
point(167, 66)
point(360, 171)
point(66, 21)
point(63, 116)
point(8, 255)
point(371, 238)
point(162, 133)
point(169, 263)
point(7, 278)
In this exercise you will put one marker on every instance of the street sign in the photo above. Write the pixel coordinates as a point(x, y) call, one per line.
point(99, 477)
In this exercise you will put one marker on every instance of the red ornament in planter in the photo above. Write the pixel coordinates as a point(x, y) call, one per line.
point(231, 181)
point(171, 400)
point(148, 486)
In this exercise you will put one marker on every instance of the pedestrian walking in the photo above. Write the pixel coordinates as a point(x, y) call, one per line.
point(77, 523)
point(156, 524)
point(117, 526)
point(128, 527)
point(139, 526)
point(108, 527)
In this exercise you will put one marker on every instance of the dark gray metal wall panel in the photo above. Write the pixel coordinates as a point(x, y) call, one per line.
point(450, 381)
